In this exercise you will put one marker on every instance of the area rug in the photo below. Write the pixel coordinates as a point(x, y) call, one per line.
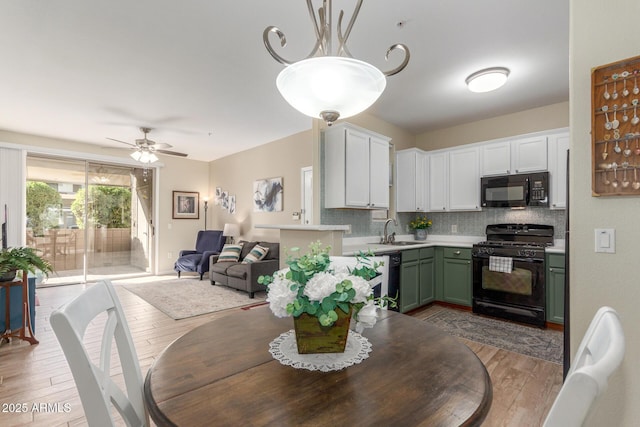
point(189, 297)
point(543, 344)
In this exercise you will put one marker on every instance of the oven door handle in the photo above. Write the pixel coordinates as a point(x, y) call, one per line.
point(528, 260)
point(527, 191)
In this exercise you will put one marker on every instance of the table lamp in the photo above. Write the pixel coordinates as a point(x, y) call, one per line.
point(231, 231)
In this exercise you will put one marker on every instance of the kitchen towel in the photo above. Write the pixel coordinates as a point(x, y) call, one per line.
point(501, 264)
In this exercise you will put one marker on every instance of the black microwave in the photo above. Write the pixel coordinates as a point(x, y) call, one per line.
point(521, 190)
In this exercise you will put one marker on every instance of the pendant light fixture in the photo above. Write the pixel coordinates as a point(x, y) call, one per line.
point(488, 79)
point(325, 85)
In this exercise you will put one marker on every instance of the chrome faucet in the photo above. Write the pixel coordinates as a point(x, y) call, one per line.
point(386, 238)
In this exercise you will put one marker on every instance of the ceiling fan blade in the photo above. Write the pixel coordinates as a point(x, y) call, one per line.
point(124, 142)
point(171, 153)
point(162, 145)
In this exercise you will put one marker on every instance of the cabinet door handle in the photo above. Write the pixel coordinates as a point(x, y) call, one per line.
point(551, 269)
point(456, 253)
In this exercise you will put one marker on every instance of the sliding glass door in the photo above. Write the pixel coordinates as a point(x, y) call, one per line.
point(90, 220)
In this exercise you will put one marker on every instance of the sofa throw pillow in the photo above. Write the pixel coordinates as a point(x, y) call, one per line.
point(256, 254)
point(230, 253)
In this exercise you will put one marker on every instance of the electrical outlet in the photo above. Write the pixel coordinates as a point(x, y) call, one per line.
point(454, 228)
point(170, 255)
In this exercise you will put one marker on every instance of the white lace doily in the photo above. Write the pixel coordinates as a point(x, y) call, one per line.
point(285, 350)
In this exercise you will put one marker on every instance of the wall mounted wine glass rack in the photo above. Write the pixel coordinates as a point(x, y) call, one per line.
point(615, 128)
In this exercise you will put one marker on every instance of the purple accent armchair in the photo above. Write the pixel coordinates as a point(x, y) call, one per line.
point(208, 242)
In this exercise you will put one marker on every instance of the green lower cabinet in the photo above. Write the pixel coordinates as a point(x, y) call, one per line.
point(427, 279)
point(555, 282)
point(417, 279)
point(457, 276)
point(409, 286)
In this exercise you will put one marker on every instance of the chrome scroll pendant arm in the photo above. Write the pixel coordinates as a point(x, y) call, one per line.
point(404, 63)
point(342, 47)
point(319, 26)
point(267, 44)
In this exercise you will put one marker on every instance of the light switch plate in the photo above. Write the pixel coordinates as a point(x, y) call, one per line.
point(605, 239)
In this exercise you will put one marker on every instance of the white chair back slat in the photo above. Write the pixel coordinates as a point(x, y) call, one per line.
point(600, 353)
point(97, 390)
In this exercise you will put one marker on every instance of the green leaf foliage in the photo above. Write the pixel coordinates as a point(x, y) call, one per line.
point(109, 207)
point(43, 207)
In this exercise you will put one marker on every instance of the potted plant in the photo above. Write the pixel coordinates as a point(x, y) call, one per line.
point(322, 298)
point(419, 227)
point(21, 258)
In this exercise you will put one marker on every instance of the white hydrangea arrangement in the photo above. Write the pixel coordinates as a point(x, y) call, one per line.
point(313, 284)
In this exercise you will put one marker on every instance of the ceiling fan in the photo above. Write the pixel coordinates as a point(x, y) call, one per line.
point(146, 148)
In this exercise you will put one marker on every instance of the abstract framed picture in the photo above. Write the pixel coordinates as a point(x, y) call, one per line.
point(267, 195)
point(186, 205)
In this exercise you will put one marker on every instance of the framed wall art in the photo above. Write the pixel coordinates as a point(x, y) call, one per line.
point(267, 195)
point(186, 205)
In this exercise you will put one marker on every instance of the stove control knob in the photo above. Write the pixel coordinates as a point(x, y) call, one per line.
point(527, 253)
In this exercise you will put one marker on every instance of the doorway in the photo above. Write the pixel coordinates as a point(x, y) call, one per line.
point(306, 198)
point(91, 220)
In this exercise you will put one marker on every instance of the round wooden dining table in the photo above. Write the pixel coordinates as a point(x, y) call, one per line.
point(222, 374)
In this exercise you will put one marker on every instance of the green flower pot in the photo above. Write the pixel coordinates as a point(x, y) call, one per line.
point(312, 337)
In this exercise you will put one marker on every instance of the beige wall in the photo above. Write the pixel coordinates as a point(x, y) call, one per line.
point(176, 174)
point(236, 174)
point(537, 119)
point(599, 279)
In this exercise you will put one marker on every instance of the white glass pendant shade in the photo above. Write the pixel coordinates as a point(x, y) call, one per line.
point(329, 87)
point(136, 155)
point(487, 80)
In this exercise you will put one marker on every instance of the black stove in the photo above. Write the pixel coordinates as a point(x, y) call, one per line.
point(515, 240)
point(509, 272)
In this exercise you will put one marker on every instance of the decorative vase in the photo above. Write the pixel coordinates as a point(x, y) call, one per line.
point(421, 234)
point(312, 337)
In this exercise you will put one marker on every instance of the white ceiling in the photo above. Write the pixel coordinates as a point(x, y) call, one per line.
point(198, 73)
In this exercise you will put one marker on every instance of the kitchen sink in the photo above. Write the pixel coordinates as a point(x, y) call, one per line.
point(403, 243)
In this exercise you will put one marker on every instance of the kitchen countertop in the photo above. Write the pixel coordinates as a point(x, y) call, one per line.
point(353, 246)
point(296, 227)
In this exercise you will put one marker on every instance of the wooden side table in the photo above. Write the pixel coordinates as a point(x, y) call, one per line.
point(25, 327)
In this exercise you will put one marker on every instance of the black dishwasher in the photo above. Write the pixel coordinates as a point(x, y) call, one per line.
point(395, 259)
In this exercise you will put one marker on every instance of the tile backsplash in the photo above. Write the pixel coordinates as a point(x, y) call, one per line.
point(468, 223)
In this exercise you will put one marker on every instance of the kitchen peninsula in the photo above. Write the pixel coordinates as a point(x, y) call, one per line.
point(299, 236)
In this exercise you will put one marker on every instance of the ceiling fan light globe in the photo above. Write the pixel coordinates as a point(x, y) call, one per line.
point(345, 86)
point(136, 155)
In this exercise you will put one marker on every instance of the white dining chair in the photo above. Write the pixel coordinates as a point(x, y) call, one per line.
point(98, 392)
point(599, 355)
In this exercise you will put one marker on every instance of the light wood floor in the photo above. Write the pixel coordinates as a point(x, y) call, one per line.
point(523, 387)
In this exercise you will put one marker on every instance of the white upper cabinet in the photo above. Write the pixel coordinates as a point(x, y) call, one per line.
point(438, 181)
point(558, 145)
point(529, 154)
point(411, 180)
point(522, 155)
point(496, 158)
point(356, 168)
point(378, 172)
point(464, 179)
